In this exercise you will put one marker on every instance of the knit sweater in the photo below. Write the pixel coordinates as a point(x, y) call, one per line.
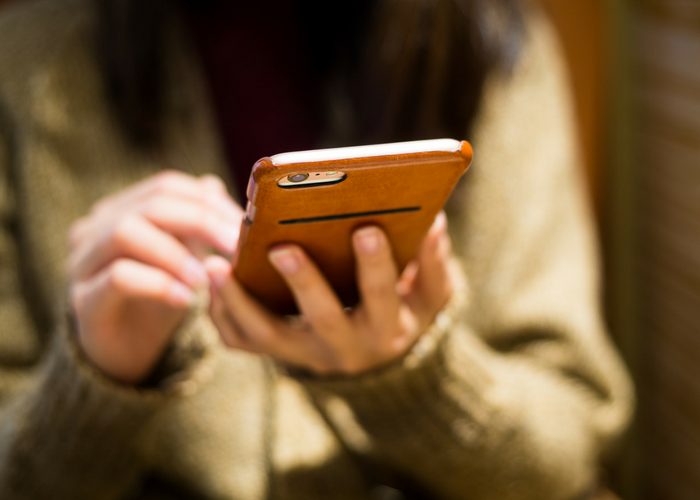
point(515, 392)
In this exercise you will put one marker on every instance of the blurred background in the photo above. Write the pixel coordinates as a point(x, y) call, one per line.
point(635, 68)
point(635, 71)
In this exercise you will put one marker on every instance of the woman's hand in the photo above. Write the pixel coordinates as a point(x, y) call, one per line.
point(133, 266)
point(327, 339)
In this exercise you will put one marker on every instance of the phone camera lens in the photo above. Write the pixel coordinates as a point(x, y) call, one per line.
point(297, 177)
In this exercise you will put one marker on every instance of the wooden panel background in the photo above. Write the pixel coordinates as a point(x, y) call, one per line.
point(582, 26)
point(667, 96)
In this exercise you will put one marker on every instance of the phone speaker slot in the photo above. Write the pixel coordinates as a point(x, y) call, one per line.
point(349, 215)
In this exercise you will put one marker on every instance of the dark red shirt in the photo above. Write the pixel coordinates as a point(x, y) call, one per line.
point(253, 57)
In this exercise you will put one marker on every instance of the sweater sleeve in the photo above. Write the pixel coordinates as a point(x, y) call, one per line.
point(65, 430)
point(517, 393)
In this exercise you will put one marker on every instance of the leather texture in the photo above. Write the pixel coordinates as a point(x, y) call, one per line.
point(412, 187)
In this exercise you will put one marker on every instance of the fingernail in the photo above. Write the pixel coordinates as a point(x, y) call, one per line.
point(218, 280)
point(181, 295)
point(218, 270)
point(440, 222)
point(368, 239)
point(445, 245)
point(284, 260)
point(437, 231)
point(195, 274)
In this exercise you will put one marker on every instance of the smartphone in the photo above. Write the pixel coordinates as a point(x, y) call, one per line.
point(316, 199)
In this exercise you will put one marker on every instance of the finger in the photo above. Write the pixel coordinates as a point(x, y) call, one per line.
point(314, 296)
point(138, 239)
point(76, 234)
point(213, 184)
point(218, 269)
point(247, 325)
point(208, 190)
point(193, 221)
point(128, 279)
point(230, 332)
point(167, 181)
point(262, 330)
point(171, 183)
point(407, 279)
point(377, 278)
point(432, 286)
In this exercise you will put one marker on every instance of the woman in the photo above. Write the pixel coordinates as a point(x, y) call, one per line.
point(120, 388)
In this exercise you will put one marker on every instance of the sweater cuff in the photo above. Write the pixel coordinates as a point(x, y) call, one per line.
point(441, 377)
point(76, 397)
point(74, 418)
point(72, 434)
point(185, 364)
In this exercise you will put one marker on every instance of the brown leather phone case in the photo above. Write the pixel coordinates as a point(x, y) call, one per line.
point(400, 193)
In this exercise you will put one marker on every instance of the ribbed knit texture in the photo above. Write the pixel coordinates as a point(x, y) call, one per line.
point(66, 416)
point(514, 393)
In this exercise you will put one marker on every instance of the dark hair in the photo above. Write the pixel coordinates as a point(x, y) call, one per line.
point(393, 69)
